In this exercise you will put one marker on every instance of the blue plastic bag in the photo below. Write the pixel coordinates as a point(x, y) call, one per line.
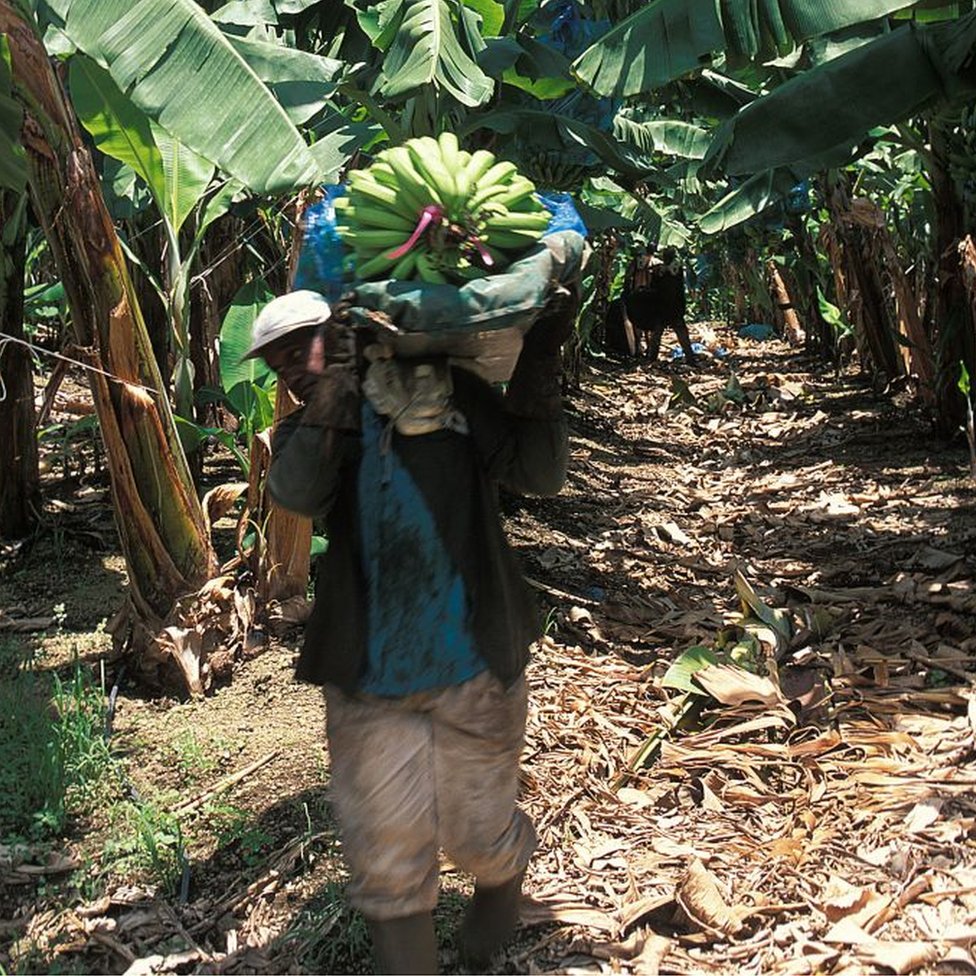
point(565, 216)
point(323, 265)
point(759, 331)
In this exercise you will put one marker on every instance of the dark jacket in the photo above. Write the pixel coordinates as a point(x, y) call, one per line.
point(314, 471)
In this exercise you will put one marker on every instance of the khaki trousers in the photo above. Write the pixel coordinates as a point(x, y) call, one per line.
point(438, 769)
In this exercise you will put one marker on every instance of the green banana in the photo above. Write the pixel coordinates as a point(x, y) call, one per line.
point(481, 161)
point(494, 178)
point(375, 266)
point(400, 170)
point(374, 191)
point(371, 215)
point(439, 181)
point(516, 192)
point(528, 222)
point(362, 237)
point(448, 215)
point(511, 239)
point(428, 272)
point(405, 267)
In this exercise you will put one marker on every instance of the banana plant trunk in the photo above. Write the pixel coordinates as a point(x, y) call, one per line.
point(864, 287)
point(158, 514)
point(953, 315)
point(819, 336)
point(19, 478)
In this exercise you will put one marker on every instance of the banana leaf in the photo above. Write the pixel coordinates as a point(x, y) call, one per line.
point(174, 63)
point(491, 13)
point(547, 130)
point(302, 82)
point(820, 49)
point(421, 47)
point(933, 11)
point(667, 39)
point(118, 128)
point(761, 190)
point(293, 6)
point(246, 13)
point(891, 78)
point(540, 70)
point(664, 136)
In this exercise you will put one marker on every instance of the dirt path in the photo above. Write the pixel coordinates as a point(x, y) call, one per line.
point(814, 813)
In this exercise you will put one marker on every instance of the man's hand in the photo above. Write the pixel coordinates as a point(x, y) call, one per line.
point(536, 384)
point(320, 368)
point(333, 342)
point(555, 325)
point(332, 368)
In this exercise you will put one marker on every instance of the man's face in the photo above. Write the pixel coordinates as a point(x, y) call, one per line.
point(288, 357)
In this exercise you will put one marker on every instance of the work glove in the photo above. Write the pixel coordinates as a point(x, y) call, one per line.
point(330, 384)
point(536, 385)
point(549, 332)
point(555, 325)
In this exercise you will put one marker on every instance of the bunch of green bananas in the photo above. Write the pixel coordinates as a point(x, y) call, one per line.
point(430, 210)
point(556, 171)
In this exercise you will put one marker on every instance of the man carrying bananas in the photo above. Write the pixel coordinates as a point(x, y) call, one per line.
point(422, 621)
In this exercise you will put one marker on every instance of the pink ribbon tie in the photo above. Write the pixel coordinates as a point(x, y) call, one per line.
point(430, 213)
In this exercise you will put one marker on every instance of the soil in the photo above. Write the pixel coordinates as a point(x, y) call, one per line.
point(808, 807)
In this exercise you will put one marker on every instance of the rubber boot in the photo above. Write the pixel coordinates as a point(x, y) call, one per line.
point(405, 945)
point(489, 922)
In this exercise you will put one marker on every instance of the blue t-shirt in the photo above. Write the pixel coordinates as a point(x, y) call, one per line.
point(418, 622)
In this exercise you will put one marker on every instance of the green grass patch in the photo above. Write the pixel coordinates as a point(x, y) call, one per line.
point(329, 936)
point(193, 757)
point(235, 829)
point(53, 751)
point(148, 844)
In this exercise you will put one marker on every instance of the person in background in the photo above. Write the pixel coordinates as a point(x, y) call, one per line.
point(654, 300)
point(422, 622)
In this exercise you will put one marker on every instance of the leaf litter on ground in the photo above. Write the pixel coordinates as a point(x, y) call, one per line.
point(753, 725)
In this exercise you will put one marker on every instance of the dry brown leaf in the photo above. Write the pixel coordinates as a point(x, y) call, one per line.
point(220, 500)
point(535, 912)
point(631, 914)
point(637, 798)
point(55, 864)
point(702, 900)
point(960, 934)
point(840, 899)
point(733, 686)
point(670, 532)
point(185, 643)
point(643, 950)
point(847, 932)
point(655, 950)
point(590, 856)
point(24, 624)
point(923, 815)
point(899, 957)
point(172, 963)
point(794, 847)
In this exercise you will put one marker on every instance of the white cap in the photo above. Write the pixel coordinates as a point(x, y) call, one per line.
point(286, 313)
